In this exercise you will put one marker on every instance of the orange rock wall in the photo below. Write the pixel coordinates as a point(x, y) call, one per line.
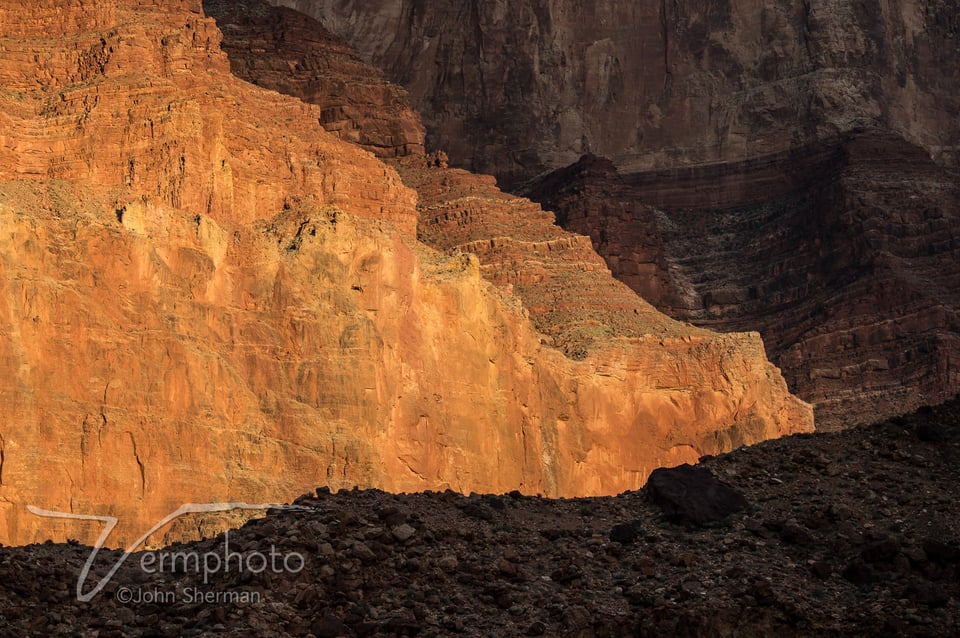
point(205, 297)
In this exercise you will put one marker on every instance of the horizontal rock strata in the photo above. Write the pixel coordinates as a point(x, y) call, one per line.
point(206, 297)
point(843, 256)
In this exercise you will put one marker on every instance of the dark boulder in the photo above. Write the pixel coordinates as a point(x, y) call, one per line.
point(693, 495)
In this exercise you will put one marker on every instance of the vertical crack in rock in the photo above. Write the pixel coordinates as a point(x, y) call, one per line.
point(136, 456)
point(103, 414)
point(665, 36)
point(805, 31)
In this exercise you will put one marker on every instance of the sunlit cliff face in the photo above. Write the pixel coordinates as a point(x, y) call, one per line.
point(205, 297)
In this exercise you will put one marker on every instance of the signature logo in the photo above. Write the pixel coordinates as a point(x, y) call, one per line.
point(188, 508)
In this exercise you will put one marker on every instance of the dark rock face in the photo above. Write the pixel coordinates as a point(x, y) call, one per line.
point(843, 255)
point(519, 88)
point(848, 534)
point(693, 495)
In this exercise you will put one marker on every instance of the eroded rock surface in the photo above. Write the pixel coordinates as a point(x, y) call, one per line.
point(517, 88)
point(206, 297)
point(623, 356)
point(788, 168)
point(843, 255)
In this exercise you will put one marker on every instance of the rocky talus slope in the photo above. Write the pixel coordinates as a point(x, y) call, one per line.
point(843, 256)
point(845, 534)
point(206, 297)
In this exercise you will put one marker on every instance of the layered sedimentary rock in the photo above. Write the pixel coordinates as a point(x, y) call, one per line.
point(131, 99)
point(573, 301)
point(745, 198)
point(606, 332)
point(514, 88)
point(843, 255)
point(286, 51)
point(206, 297)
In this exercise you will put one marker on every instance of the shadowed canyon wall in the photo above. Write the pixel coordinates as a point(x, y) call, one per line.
point(286, 51)
point(843, 255)
point(205, 296)
point(519, 88)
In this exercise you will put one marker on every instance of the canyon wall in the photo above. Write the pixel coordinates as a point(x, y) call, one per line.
point(842, 254)
point(286, 51)
point(206, 297)
point(519, 88)
point(783, 167)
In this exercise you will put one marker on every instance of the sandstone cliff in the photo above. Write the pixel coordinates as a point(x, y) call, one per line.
point(204, 296)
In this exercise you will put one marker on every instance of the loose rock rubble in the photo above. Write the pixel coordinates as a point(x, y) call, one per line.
point(853, 533)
